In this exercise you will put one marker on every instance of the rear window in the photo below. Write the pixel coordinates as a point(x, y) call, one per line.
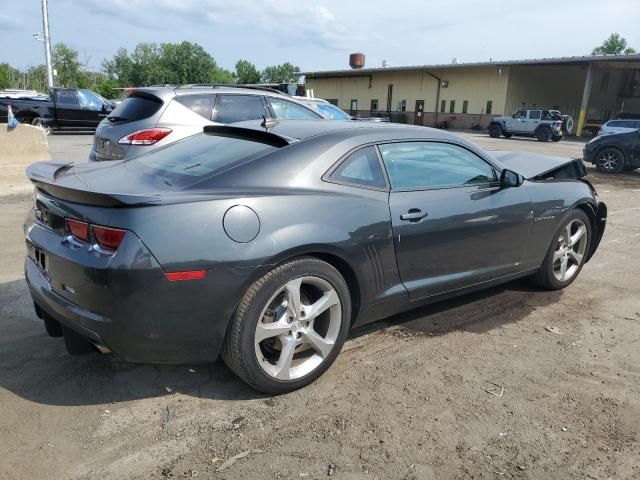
point(135, 108)
point(200, 156)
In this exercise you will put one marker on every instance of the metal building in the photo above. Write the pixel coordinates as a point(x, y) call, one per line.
point(592, 89)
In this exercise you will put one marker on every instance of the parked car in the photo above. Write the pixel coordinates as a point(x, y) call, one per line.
point(619, 126)
point(545, 125)
point(615, 152)
point(151, 118)
point(75, 109)
point(268, 245)
point(330, 111)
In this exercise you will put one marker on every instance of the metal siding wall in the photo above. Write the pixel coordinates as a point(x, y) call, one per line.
point(477, 85)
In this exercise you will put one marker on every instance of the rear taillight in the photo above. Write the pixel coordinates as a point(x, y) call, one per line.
point(79, 230)
point(145, 137)
point(106, 237)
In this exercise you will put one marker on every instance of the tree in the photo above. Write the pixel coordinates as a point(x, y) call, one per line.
point(246, 72)
point(285, 73)
point(7, 75)
point(187, 62)
point(120, 68)
point(614, 45)
point(167, 63)
point(108, 88)
point(65, 61)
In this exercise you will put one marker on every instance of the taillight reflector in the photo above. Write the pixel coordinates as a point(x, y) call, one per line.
point(190, 275)
point(145, 137)
point(79, 230)
point(109, 238)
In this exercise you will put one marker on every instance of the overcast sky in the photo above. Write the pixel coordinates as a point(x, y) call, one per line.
point(319, 35)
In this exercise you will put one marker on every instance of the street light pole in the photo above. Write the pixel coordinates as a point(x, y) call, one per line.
point(47, 42)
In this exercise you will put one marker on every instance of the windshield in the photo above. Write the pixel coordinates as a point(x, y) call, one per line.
point(332, 112)
point(197, 157)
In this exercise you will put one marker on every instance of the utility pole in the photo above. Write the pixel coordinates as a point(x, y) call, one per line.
point(47, 42)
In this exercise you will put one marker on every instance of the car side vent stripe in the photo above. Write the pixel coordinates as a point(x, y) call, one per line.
point(376, 265)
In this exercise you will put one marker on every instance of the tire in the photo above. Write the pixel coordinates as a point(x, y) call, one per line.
point(495, 130)
point(551, 274)
point(52, 326)
point(610, 160)
point(77, 344)
point(39, 122)
point(543, 134)
point(508, 135)
point(263, 363)
point(557, 138)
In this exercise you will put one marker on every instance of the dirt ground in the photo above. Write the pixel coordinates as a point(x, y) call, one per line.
point(408, 398)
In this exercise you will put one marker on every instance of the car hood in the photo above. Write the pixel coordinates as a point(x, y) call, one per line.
point(536, 167)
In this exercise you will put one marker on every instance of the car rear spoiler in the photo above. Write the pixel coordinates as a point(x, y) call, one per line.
point(43, 176)
point(249, 134)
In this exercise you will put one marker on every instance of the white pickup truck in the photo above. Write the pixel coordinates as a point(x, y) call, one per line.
point(545, 125)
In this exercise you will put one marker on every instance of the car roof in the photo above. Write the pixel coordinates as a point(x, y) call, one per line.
point(168, 91)
point(305, 129)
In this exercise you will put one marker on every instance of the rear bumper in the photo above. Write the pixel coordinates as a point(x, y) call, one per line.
point(128, 305)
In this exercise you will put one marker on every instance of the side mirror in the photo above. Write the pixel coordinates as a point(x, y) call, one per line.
point(509, 178)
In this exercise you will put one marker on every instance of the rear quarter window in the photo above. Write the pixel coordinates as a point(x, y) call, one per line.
point(202, 104)
point(135, 108)
point(195, 158)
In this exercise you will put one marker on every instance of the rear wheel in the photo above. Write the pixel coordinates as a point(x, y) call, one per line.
point(289, 326)
point(610, 160)
point(543, 134)
point(39, 122)
point(566, 255)
point(51, 325)
point(495, 131)
point(77, 344)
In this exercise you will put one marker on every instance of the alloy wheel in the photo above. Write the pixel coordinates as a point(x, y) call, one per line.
point(298, 328)
point(570, 250)
point(608, 161)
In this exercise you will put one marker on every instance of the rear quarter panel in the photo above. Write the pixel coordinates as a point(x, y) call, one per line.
point(354, 227)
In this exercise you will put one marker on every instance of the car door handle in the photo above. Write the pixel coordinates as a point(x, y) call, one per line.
point(413, 215)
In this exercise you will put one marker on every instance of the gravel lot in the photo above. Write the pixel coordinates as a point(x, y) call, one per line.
point(406, 399)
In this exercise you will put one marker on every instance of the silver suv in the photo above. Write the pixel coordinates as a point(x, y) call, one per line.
point(152, 117)
point(545, 125)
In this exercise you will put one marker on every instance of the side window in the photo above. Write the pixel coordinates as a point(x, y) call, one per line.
point(238, 108)
point(68, 97)
point(614, 124)
point(535, 115)
point(360, 168)
point(89, 100)
point(289, 110)
point(424, 165)
point(201, 104)
point(520, 114)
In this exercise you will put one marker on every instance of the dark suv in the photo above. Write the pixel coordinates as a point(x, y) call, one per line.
point(156, 116)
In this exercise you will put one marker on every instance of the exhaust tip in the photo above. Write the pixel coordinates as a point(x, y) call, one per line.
point(102, 348)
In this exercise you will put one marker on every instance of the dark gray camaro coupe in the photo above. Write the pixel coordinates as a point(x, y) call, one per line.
point(267, 243)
